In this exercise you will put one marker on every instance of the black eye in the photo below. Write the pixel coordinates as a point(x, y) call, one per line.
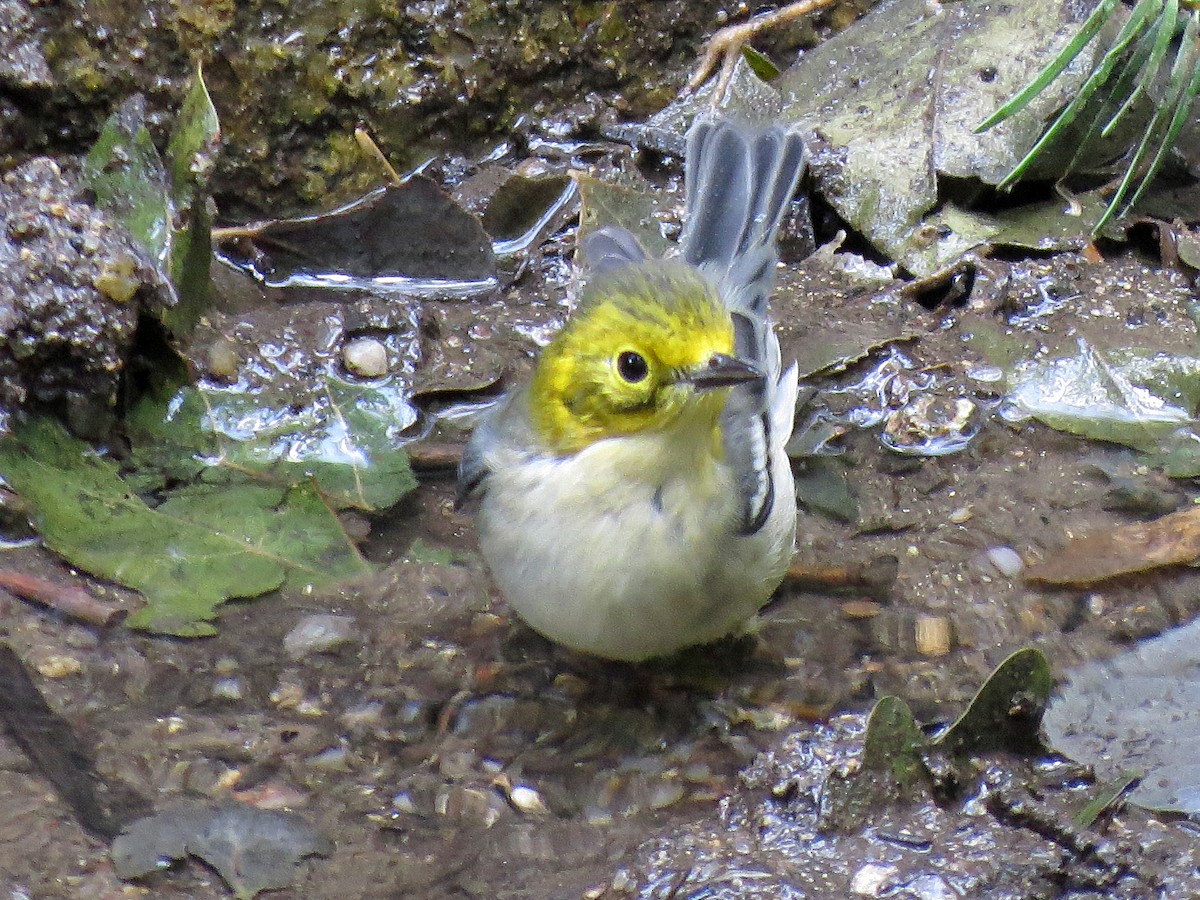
point(632, 366)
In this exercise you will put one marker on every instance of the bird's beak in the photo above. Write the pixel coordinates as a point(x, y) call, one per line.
point(721, 371)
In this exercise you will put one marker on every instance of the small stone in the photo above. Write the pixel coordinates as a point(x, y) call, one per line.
point(366, 358)
point(469, 805)
point(528, 801)
point(960, 515)
point(872, 879)
point(363, 716)
point(222, 361)
point(319, 633)
point(59, 666)
point(861, 609)
point(1006, 560)
point(332, 759)
point(229, 688)
point(118, 279)
point(664, 794)
point(933, 635)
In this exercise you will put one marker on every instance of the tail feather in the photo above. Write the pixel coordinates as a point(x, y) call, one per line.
point(740, 179)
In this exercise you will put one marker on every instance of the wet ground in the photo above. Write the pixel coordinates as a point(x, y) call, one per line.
point(448, 751)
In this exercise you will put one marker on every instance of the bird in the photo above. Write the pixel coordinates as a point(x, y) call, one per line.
point(634, 497)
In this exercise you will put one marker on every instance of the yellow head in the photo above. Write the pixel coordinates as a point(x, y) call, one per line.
point(650, 343)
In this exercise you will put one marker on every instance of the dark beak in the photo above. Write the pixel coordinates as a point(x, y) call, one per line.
point(721, 371)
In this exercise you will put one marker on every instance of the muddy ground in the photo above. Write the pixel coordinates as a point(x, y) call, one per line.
point(449, 751)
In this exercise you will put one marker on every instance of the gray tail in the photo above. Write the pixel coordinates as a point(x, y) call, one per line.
point(740, 178)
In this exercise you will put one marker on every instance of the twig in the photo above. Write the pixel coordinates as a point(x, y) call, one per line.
point(68, 599)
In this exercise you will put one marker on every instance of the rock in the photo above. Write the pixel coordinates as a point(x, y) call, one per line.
point(72, 286)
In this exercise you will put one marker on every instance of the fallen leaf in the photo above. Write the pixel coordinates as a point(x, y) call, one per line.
point(194, 552)
point(1171, 540)
point(254, 850)
point(1138, 712)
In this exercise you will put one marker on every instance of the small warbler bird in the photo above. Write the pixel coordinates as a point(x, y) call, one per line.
point(635, 497)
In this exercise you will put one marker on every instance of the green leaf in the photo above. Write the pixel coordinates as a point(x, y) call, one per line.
point(346, 440)
point(1006, 711)
point(191, 151)
point(892, 768)
point(760, 64)
point(188, 556)
point(1136, 397)
point(894, 742)
point(1108, 795)
point(128, 177)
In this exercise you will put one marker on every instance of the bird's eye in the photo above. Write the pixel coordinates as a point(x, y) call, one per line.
point(632, 366)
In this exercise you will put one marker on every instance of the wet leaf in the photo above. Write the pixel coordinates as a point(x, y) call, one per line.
point(891, 768)
point(760, 64)
point(409, 239)
point(191, 152)
point(1138, 712)
point(130, 181)
point(1108, 796)
point(521, 204)
point(253, 850)
point(1134, 397)
point(1005, 713)
point(347, 441)
point(1171, 540)
point(189, 555)
point(891, 125)
point(893, 743)
point(1120, 80)
point(822, 486)
point(632, 206)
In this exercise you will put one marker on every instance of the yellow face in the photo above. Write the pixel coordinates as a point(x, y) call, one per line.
point(626, 360)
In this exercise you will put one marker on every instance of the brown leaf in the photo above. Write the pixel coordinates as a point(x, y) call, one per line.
point(1167, 541)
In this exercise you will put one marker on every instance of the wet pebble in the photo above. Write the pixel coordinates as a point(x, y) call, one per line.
point(366, 358)
point(59, 666)
point(469, 805)
point(872, 879)
point(332, 759)
point(229, 688)
point(1006, 560)
point(320, 633)
point(363, 717)
point(528, 801)
point(221, 360)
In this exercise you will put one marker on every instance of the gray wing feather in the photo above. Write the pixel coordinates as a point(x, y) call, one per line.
point(740, 179)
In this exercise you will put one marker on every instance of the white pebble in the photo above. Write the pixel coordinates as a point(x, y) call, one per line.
point(319, 633)
point(366, 358)
point(1006, 560)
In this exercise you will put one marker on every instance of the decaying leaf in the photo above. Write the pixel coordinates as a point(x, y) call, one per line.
point(1138, 712)
point(254, 850)
point(891, 126)
point(1171, 540)
point(1006, 711)
point(444, 251)
point(633, 205)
